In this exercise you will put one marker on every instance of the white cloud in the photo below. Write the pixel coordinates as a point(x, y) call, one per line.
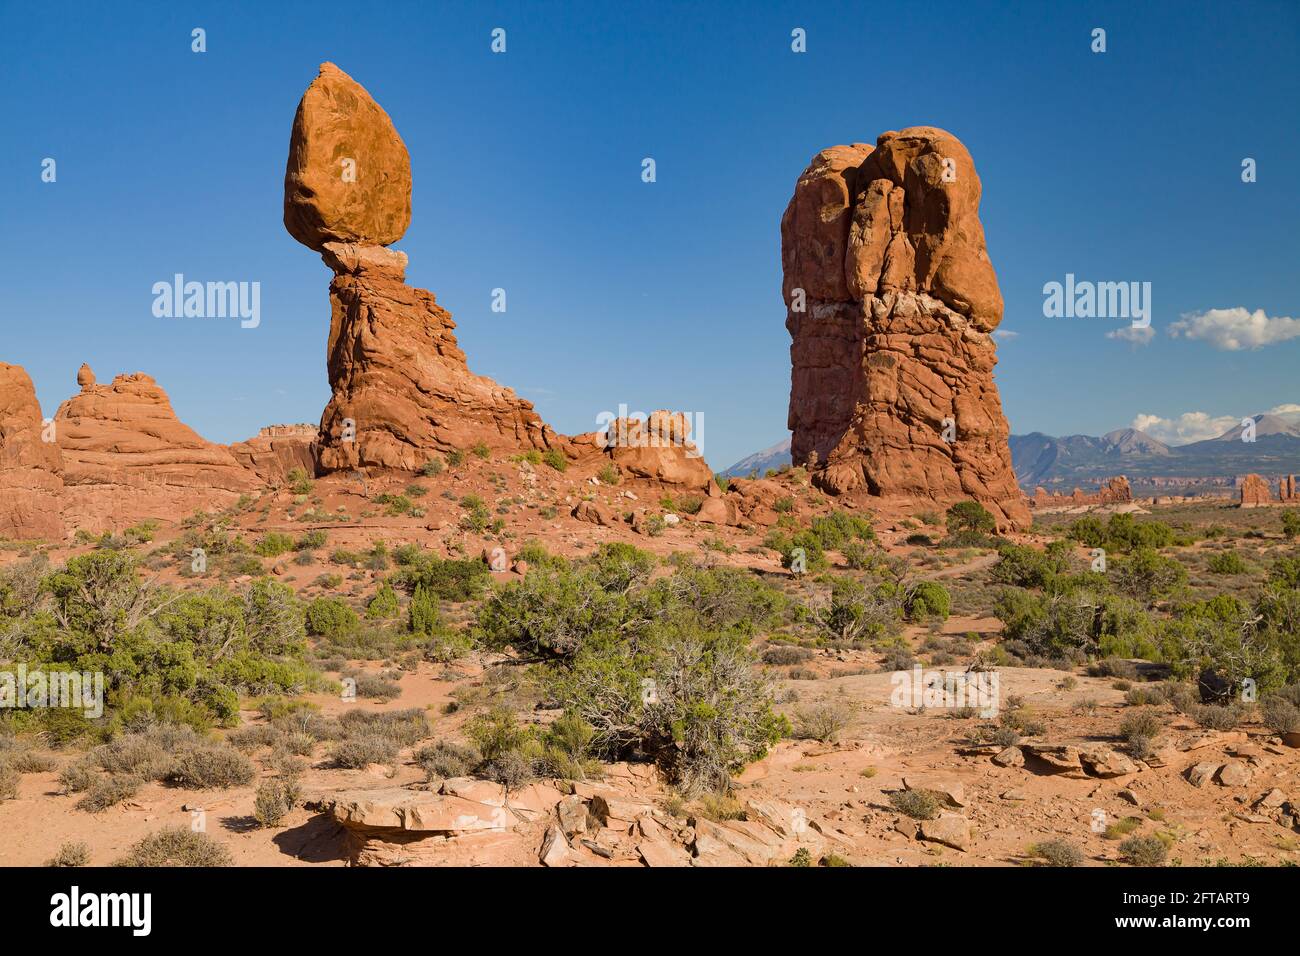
point(1288, 411)
point(1187, 427)
point(1137, 334)
point(1230, 330)
point(1006, 335)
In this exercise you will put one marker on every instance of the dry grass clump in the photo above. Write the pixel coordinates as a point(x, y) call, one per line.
point(177, 846)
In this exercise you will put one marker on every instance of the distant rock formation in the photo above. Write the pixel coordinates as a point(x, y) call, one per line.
point(277, 450)
point(1286, 490)
point(891, 298)
point(127, 457)
point(657, 449)
point(402, 390)
point(1114, 491)
point(1255, 491)
point(31, 468)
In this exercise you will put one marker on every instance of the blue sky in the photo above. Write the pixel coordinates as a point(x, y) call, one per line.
point(1117, 166)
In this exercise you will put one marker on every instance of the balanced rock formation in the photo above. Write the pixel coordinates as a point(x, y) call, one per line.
point(127, 457)
point(277, 450)
point(402, 389)
point(1255, 491)
point(891, 300)
point(31, 466)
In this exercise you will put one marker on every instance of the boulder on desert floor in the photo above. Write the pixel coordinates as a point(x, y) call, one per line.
point(31, 467)
point(949, 829)
point(891, 299)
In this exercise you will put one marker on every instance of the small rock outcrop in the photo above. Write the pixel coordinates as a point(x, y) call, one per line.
point(277, 450)
point(31, 468)
point(1255, 491)
point(402, 390)
point(127, 457)
point(656, 448)
point(891, 300)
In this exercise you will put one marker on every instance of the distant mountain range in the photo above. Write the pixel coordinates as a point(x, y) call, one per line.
point(1061, 464)
point(761, 461)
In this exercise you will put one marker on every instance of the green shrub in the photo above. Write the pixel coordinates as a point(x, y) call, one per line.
point(1227, 562)
point(332, 617)
point(384, 604)
point(970, 516)
point(451, 580)
point(1028, 567)
point(1291, 523)
point(311, 540)
point(300, 482)
point(838, 529)
point(917, 804)
point(273, 544)
point(423, 613)
point(609, 475)
point(481, 450)
point(927, 600)
point(555, 459)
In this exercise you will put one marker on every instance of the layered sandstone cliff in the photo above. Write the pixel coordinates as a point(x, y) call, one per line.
point(127, 457)
point(31, 467)
point(891, 299)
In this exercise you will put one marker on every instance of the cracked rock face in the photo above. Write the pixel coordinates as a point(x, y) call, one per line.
point(402, 389)
point(891, 300)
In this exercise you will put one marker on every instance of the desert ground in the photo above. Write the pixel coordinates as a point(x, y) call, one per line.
point(1052, 778)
